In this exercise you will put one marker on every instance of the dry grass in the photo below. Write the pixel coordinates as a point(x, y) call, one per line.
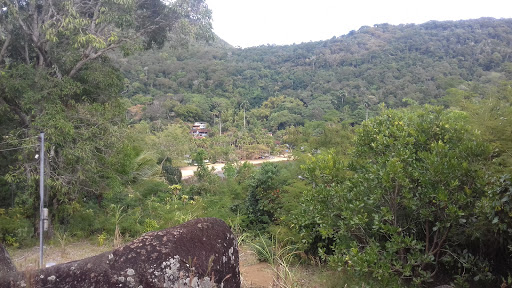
point(257, 274)
point(28, 259)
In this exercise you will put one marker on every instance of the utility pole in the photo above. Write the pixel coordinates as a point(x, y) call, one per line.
point(245, 105)
point(343, 94)
point(220, 123)
point(41, 195)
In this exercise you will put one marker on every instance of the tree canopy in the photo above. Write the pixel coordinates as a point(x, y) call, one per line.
point(380, 183)
point(57, 76)
point(404, 202)
point(65, 35)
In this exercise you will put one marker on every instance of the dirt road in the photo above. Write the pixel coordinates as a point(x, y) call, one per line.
point(188, 171)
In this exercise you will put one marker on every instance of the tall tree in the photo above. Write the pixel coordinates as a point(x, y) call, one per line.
point(62, 37)
point(56, 76)
point(46, 32)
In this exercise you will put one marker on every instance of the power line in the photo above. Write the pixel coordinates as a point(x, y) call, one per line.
point(21, 147)
point(13, 141)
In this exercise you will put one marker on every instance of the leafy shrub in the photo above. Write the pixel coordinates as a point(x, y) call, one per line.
point(494, 226)
point(262, 200)
point(244, 172)
point(85, 222)
point(151, 188)
point(150, 225)
point(171, 174)
point(229, 170)
point(15, 230)
point(101, 238)
point(404, 202)
point(80, 220)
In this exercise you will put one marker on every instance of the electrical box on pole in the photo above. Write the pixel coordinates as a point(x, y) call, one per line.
point(45, 219)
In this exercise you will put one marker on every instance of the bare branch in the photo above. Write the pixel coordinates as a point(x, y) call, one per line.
point(16, 110)
point(91, 57)
point(95, 16)
point(25, 52)
point(4, 47)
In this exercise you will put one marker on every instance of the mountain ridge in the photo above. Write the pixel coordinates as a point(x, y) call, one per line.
point(390, 64)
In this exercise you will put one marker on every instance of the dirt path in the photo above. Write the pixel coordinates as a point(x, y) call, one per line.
point(254, 274)
point(188, 171)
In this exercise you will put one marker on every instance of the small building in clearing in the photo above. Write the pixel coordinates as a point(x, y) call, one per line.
point(200, 130)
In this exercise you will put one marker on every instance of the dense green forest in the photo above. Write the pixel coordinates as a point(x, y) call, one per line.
point(400, 138)
point(334, 79)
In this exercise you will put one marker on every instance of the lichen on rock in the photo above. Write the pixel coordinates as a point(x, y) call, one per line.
point(194, 254)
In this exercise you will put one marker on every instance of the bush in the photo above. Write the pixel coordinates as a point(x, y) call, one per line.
point(403, 203)
point(171, 174)
point(151, 188)
point(262, 199)
point(15, 229)
point(85, 222)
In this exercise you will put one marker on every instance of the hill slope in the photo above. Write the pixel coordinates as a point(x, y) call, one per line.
point(379, 64)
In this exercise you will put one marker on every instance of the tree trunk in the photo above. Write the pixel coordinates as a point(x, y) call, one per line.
point(4, 47)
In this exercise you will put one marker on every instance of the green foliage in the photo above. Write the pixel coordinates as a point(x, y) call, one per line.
point(497, 206)
point(101, 238)
point(101, 82)
point(199, 157)
point(405, 201)
point(495, 225)
point(59, 79)
point(147, 189)
point(150, 225)
point(66, 36)
point(15, 229)
point(189, 113)
point(325, 169)
point(244, 172)
point(279, 255)
point(345, 278)
point(171, 174)
point(206, 181)
point(229, 171)
point(262, 199)
point(26, 91)
point(224, 203)
point(173, 141)
point(489, 111)
point(268, 251)
point(337, 80)
point(80, 221)
point(140, 99)
point(414, 180)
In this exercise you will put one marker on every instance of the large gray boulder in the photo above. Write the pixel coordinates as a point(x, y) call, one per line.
point(200, 253)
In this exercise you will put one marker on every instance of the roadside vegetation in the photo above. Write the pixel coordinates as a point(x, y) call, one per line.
point(401, 151)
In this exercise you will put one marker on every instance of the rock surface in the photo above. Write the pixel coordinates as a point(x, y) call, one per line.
point(200, 253)
point(6, 265)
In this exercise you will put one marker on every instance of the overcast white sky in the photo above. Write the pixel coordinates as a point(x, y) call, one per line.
point(247, 23)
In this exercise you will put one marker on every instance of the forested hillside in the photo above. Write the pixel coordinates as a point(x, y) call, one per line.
point(336, 78)
point(400, 139)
